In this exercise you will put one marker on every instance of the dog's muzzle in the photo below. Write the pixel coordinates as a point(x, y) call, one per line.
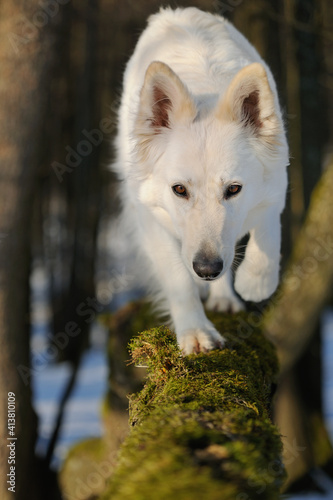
point(207, 269)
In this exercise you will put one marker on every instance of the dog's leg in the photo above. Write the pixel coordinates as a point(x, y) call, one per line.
point(222, 297)
point(258, 275)
point(195, 333)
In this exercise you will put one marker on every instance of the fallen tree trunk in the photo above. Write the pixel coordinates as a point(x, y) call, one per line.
point(201, 424)
point(291, 320)
point(307, 283)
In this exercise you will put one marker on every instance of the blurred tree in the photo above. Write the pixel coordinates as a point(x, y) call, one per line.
point(68, 208)
point(307, 285)
point(26, 59)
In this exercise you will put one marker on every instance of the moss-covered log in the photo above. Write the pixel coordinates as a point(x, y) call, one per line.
point(201, 424)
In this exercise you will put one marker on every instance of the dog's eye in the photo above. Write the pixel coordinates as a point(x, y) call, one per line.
point(232, 190)
point(180, 190)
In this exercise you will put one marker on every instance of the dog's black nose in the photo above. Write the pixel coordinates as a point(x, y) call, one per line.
point(208, 269)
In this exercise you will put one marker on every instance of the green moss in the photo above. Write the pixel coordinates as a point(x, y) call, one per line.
point(201, 424)
point(86, 461)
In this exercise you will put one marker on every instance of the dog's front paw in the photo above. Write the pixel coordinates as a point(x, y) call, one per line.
point(224, 304)
point(256, 286)
point(200, 340)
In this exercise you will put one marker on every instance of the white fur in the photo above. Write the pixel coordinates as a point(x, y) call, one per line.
point(200, 137)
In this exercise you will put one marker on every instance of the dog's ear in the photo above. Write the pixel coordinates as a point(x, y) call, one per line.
point(164, 99)
point(249, 101)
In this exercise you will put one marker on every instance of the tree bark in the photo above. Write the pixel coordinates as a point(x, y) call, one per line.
point(307, 283)
point(291, 320)
point(24, 61)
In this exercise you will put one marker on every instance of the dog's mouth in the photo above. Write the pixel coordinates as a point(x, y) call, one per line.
point(210, 278)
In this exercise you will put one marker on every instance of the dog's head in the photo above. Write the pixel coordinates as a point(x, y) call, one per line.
point(208, 165)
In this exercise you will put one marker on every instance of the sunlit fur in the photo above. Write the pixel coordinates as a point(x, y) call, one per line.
point(200, 108)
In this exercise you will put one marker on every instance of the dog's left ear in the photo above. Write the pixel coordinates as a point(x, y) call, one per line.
point(249, 101)
point(164, 99)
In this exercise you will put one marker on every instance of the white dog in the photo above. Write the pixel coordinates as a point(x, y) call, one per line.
point(202, 154)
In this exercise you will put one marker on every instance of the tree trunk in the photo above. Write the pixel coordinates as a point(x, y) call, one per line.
point(307, 283)
point(24, 60)
point(202, 424)
point(291, 321)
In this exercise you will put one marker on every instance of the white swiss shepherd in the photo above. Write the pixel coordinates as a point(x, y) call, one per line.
point(202, 154)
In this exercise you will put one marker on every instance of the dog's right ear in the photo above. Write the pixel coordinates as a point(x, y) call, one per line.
point(249, 101)
point(164, 100)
